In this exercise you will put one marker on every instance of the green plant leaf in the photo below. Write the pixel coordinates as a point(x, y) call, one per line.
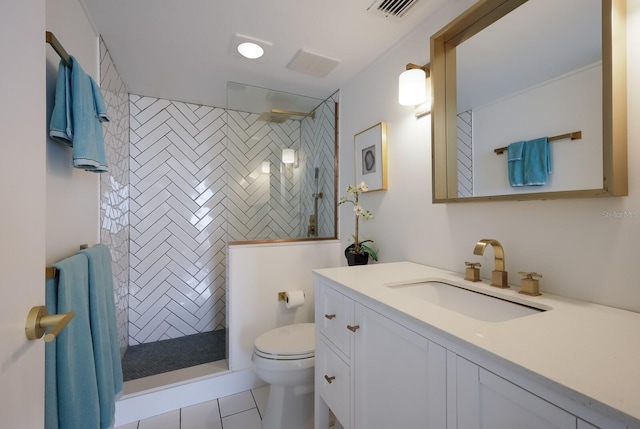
point(369, 250)
point(372, 253)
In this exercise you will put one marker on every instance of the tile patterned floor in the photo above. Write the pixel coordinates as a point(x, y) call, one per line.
point(240, 411)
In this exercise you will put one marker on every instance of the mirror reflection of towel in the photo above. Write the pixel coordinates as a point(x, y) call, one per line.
point(529, 163)
point(536, 159)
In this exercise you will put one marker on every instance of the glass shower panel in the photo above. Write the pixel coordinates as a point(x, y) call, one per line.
point(270, 197)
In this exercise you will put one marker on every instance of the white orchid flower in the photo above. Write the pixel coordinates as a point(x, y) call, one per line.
point(362, 187)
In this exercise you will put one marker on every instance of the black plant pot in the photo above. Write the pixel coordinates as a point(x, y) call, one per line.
point(357, 258)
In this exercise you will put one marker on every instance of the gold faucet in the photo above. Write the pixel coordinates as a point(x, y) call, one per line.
point(498, 275)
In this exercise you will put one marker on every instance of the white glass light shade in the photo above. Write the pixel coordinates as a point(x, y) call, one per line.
point(288, 156)
point(412, 86)
point(266, 167)
point(425, 108)
point(250, 50)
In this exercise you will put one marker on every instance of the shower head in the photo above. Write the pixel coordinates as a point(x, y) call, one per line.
point(279, 116)
point(316, 173)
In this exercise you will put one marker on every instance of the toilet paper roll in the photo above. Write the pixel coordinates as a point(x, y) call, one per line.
point(293, 298)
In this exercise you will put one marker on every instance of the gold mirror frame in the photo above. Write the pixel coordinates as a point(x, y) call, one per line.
point(443, 113)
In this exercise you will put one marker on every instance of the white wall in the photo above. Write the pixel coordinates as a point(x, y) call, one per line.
point(22, 218)
point(72, 201)
point(582, 247)
point(255, 275)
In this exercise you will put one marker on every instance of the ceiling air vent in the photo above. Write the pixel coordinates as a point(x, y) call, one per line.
point(391, 8)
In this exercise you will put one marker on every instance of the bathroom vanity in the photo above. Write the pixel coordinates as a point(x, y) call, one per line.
point(411, 346)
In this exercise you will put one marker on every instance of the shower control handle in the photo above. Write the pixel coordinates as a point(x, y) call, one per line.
point(353, 328)
point(330, 316)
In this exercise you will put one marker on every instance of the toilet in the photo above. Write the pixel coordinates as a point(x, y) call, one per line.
point(285, 358)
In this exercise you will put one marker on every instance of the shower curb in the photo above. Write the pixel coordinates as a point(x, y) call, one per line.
point(142, 405)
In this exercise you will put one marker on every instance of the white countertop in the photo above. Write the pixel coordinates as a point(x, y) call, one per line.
point(588, 348)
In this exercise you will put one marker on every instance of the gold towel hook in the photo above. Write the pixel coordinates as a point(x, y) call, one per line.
point(38, 320)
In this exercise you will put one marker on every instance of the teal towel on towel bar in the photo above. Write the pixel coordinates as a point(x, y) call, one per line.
point(83, 372)
point(76, 400)
point(88, 113)
point(77, 117)
point(50, 384)
point(515, 163)
point(536, 162)
point(61, 124)
point(106, 348)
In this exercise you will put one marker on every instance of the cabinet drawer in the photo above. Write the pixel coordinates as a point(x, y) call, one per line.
point(332, 381)
point(334, 312)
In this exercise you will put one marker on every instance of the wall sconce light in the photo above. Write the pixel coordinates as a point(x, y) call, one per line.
point(288, 156)
point(266, 167)
point(413, 89)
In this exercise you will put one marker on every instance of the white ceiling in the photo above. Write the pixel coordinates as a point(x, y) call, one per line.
point(181, 49)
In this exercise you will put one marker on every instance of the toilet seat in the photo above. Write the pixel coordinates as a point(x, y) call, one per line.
point(292, 342)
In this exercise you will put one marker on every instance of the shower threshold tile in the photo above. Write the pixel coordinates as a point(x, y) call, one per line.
point(143, 385)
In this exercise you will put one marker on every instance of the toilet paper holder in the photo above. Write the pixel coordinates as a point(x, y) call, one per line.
point(283, 296)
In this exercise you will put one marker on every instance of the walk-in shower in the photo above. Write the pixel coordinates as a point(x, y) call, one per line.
point(201, 178)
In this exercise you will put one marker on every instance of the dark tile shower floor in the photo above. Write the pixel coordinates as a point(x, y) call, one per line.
point(144, 360)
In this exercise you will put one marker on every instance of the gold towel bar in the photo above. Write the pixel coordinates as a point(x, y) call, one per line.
point(51, 39)
point(576, 135)
point(51, 272)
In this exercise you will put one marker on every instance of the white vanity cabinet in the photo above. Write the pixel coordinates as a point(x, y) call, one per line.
point(485, 400)
point(399, 376)
point(381, 375)
point(379, 368)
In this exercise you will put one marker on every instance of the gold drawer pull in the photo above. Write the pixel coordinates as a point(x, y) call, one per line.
point(353, 328)
point(329, 316)
point(329, 379)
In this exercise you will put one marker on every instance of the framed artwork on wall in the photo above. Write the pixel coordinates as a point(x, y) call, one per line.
point(371, 157)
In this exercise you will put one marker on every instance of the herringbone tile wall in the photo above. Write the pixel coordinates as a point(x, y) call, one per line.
point(114, 188)
point(177, 236)
point(262, 206)
point(196, 184)
point(465, 154)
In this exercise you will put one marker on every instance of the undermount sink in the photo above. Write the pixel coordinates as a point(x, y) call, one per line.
point(466, 302)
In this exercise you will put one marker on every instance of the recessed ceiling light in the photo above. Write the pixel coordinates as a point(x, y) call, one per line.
point(242, 46)
point(250, 50)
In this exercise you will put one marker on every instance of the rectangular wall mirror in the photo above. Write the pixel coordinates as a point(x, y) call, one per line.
point(509, 71)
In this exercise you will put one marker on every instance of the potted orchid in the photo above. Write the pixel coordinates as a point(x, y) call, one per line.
point(358, 253)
